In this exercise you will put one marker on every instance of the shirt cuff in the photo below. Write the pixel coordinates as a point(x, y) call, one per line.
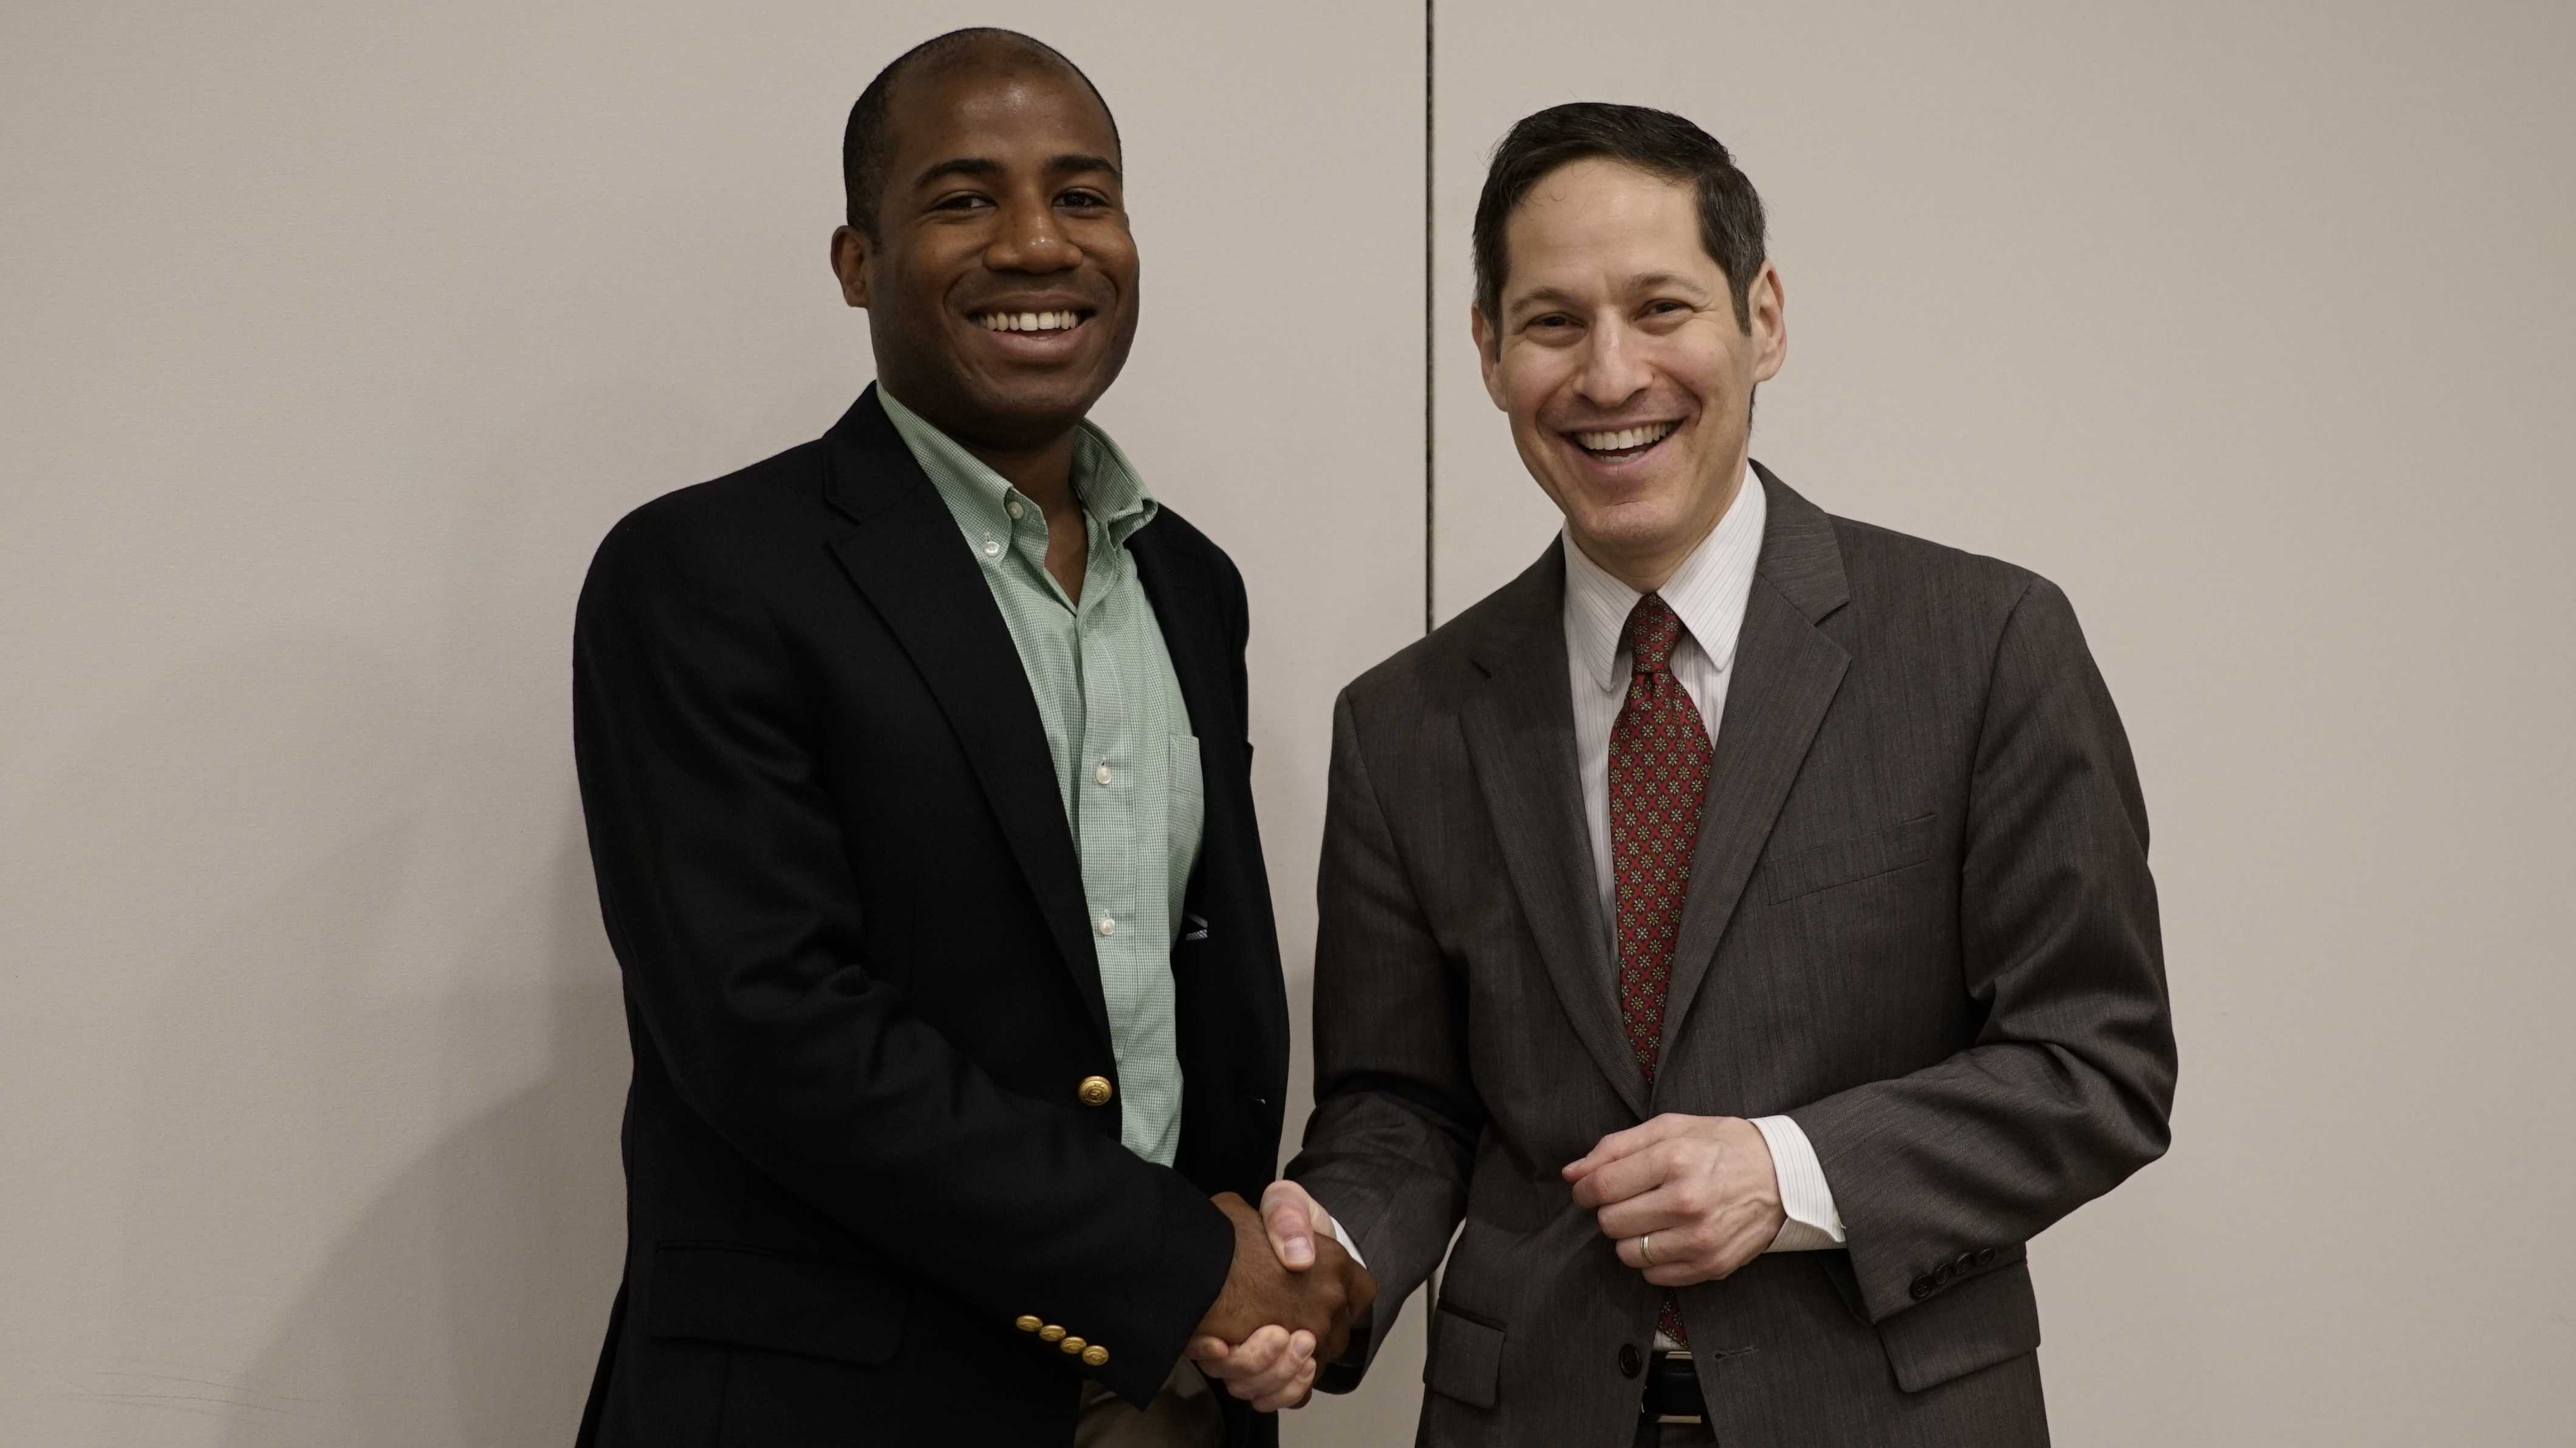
point(1345, 1239)
point(1813, 1225)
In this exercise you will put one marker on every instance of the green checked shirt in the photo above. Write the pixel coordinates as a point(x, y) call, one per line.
point(1125, 761)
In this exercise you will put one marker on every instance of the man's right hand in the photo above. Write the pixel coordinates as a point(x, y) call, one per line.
point(1298, 1290)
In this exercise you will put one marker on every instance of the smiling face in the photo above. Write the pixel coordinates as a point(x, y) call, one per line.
point(1001, 286)
point(1618, 358)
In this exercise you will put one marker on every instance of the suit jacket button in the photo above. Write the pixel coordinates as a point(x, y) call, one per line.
point(1095, 1356)
point(1026, 1323)
point(1631, 1361)
point(1985, 1256)
point(1923, 1287)
point(1072, 1346)
point(1094, 1091)
point(1050, 1333)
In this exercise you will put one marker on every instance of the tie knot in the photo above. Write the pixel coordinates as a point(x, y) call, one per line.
point(1653, 629)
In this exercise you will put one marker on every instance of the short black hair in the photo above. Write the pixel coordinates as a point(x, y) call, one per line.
point(867, 143)
point(1657, 142)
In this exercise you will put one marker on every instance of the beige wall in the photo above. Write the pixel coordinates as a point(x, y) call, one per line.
point(2249, 325)
point(334, 336)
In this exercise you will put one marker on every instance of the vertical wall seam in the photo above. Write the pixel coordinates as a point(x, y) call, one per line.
point(1429, 500)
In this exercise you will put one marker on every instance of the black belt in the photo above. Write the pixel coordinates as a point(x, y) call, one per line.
point(1672, 1390)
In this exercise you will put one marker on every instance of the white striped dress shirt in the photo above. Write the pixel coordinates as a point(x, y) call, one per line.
point(1709, 592)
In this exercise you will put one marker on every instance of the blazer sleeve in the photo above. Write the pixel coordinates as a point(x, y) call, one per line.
point(2069, 1084)
point(1393, 1136)
point(725, 885)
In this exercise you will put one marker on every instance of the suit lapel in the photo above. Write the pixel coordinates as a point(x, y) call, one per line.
point(914, 568)
point(1787, 672)
point(1193, 634)
point(1520, 737)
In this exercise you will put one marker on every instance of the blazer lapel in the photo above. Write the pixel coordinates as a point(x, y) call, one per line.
point(1193, 634)
point(914, 568)
point(1787, 672)
point(1520, 737)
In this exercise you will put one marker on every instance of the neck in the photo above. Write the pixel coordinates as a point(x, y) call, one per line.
point(1038, 465)
point(1648, 566)
point(1045, 473)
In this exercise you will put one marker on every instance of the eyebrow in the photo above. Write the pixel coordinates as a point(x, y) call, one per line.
point(1541, 296)
point(1073, 163)
point(1660, 281)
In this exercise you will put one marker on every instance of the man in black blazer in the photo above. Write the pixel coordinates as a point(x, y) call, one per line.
point(1735, 931)
point(880, 742)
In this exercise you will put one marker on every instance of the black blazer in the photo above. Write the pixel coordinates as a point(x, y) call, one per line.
point(860, 984)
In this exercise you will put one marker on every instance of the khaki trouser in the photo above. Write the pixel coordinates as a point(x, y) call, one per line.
point(1183, 1415)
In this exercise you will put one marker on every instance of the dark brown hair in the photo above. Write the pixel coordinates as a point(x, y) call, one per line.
point(1656, 142)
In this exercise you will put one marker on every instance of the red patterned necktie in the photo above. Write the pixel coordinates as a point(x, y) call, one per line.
point(1659, 753)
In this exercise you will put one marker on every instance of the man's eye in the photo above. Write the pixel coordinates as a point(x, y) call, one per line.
point(1085, 198)
point(1665, 307)
point(966, 202)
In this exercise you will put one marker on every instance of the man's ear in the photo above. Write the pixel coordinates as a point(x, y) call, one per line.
point(1486, 360)
point(1767, 307)
point(850, 264)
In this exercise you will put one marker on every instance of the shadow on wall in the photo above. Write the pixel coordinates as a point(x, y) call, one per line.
point(347, 1049)
point(466, 1302)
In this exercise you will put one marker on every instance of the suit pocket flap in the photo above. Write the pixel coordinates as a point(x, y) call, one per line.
point(1466, 1360)
point(1843, 862)
point(751, 1298)
point(1987, 1319)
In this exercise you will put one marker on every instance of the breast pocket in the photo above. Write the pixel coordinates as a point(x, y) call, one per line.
point(1189, 787)
point(1848, 861)
point(1188, 816)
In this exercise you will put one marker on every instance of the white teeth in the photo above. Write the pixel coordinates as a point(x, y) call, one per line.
point(1624, 438)
point(1029, 321)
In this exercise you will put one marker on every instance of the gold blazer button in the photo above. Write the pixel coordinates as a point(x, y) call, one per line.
point(1073, 1346)
point(1095, 1355)
point(1026, 1323)
point(1050, 1333)
point(1094, 1091)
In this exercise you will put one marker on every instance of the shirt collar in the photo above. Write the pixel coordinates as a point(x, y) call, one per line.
point(1709, 591)
point(981, 499)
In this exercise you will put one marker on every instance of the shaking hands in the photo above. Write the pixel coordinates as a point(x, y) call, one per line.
point(1288, 1304)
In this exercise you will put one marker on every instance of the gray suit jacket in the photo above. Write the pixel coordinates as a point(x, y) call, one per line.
point(1919, 922)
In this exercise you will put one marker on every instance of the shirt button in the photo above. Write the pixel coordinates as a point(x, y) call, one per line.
point(1014, 509)
point(992, 547)
point(1102, 774)
point(1108, 926)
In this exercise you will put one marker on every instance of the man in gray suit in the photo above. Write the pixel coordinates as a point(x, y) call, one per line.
point(1740, 921)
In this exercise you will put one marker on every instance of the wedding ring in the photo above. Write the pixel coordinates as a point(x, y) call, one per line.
point(1646, 1248)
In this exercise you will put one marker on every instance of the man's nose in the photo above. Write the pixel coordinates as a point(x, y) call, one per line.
point(1612, 370)
point(1031, 240)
